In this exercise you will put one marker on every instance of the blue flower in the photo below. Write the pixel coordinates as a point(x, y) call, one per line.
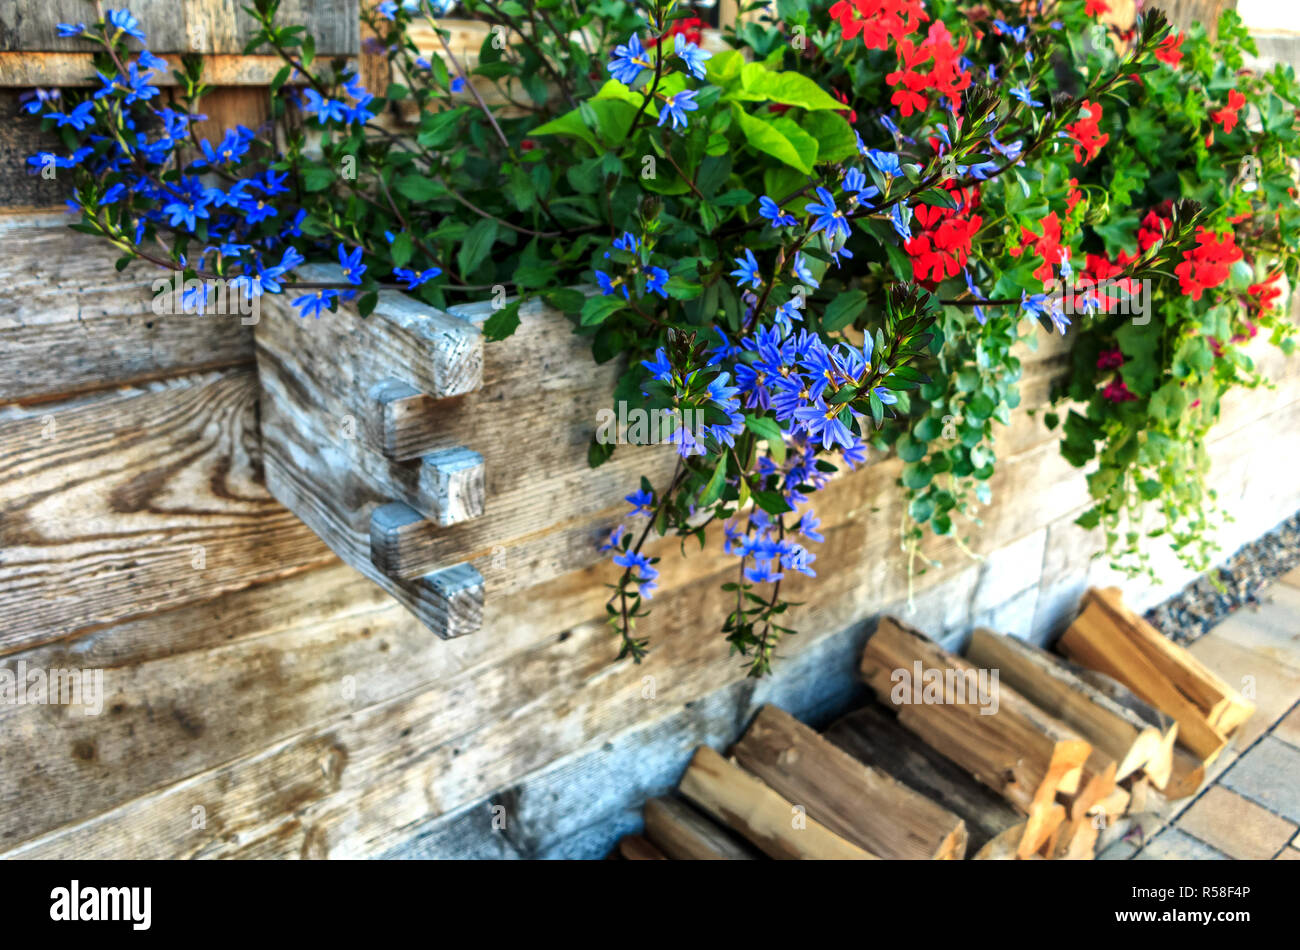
point(615, 537)
point(324, 109)
point(823, 422)
point(626, 243)
point(313, 304)
point(761, 573)
point(413, 279)
point(1039, 305)
point(855, 454)
point(79, 118)
point(351, 264)
point(800, 559)
point(746, 271)
point(808, 527)
point(691, 55)
point(889, 125)
point(387, 9)
point(149, 61)
point(802, 272)
point(857, 188)
point(885, 396)
point(676, 106)
point(656, 281)
point(71, 29)
point(660, 368)
point(628, 60)
point(124, 21)
point(888, 163)
point(1021, 92)
point(1018, 34)
point(458, 85)
point(769, 210)
point(828, 218)
point(640, 501)
point(900, 218)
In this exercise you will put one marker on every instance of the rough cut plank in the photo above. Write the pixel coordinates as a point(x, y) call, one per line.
point(682, 833)
point(874, 736)
point(1095, 641)
point(204, 26)
point(850, 798)
point(745, 804)
point(1018, 751)
point(637, 848)
point(72, 323)
point(1112, 729)
point(135, 502)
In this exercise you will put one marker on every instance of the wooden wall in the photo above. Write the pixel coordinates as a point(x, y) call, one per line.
point(262, 699)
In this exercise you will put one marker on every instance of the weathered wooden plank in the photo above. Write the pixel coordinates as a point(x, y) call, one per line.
point(74, 70)
point(683, 834)
point(201, 26)
point(72, 323)
point(134, 502)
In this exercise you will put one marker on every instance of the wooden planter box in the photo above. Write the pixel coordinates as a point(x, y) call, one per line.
point(441, 468)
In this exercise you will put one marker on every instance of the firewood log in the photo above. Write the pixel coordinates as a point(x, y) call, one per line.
point(637, 848)
point(683, 834)
point(1015, 749)
point(852, 799)
point(741, 801)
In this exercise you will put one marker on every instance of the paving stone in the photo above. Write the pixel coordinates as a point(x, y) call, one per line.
point(1236, 826)
point(1288, 730)
point(1268, 774)
point(1288, 854)
point(1271, 684)
point(1120, 851)
point(1174, 845)
point(1272, 625)
point(1291, 577)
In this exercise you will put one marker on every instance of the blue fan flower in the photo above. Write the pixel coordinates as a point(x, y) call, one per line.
point(746, 271)
point(628, 60)
point(676, 106)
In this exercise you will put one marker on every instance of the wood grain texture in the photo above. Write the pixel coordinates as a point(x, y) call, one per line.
point(135, 502)
point(852, 799)
point(72, 323)
point(683, 834)
point(746, 805)
point(205, 26)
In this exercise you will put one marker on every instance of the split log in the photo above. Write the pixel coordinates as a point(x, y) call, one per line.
point(1038, 676)
point(1114, 804)
point(683, 834)
point(742, 802)
point(637, 848)
point(1017, 750)
point(852, 799)
point(1076, 840)
point(1225, 709)
point(1160, 766)
point(873, 735)
point(1095, 639)
point(1004, 847)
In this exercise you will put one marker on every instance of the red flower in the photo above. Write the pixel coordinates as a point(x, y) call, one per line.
point(1089, 139)
point(944, 73)
point(1206, 265)
point(1110, 359)
point(940, 246)
point(878, 21)
point(1154, 226)
point(1117, 391)
point(1047, 246)
point(1264, 293)
point(850, 114)
point(1096, 7)
point(1170, 50)
point(1227, 116)
point(1074, 197)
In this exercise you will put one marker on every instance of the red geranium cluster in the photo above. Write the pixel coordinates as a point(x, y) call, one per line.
point(878, 21)
point(1118, 391)
point(941, 246)
point(1206, 265)
point(935, 64)
point(1104, 274)
point(1227, 116)
point(1096, 7)
point(1264, 293)
point(1088, 138)
point(1047, 246)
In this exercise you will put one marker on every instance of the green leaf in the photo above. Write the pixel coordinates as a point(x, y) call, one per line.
point(834, 135)
point(420, 188)
point(402, 249)
point(769, 431)
point(317, 178)
point(766, 139)
point(713, 490)
point(503, 322)
point(758, 83)
point(598, 309)
point(476, 246)
point(844, 309)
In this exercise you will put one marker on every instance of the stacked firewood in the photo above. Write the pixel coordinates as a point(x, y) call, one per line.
point(1008, 753)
